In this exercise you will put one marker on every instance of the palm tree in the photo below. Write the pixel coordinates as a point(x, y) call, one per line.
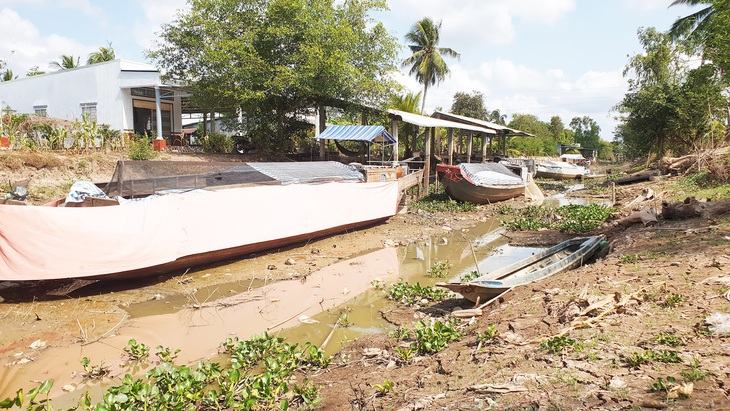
point(8, 75)
point(427, 62)
point(104, 54)
point(695, 24)
point(67, 62)
point(408, 103)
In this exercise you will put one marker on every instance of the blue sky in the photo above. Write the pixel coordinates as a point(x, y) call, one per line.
point(541, 57)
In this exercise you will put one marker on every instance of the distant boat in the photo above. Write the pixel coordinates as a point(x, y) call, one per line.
point(481, 183)
point(189, 213)
point(560, 170)
point(564, 256)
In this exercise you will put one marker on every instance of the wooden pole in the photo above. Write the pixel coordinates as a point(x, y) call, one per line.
point(451, 146)
point(469, 147)
point(427, 165)
point(484, 147)
point(394, 127)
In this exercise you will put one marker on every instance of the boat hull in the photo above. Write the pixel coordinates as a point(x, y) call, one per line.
point(461, 189)
point(180, 231)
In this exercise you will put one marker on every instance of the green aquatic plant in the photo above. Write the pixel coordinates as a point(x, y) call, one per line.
point(569, 218)
point(441, 202)
point(440, 269)
point(412, 294)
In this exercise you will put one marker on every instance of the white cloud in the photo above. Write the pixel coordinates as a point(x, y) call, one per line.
point(155, 14)
point(83, 6)
point(23, 46)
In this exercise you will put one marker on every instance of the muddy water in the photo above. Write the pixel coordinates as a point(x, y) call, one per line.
point(301, 310)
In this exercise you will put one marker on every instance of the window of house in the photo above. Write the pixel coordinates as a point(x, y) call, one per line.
point(41, 111)
point(90, 110)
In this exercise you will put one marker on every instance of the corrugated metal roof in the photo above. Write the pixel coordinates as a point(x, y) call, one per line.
point(373, 134)
point(475, 121)
point(424, 121)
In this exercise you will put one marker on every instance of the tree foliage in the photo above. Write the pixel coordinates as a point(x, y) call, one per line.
point(586, 131)
point(543, 142)
point(427, 62)
point(66, 62)
point(669, 106)
point(270, 60)
point(469, 105)
point(104, 54)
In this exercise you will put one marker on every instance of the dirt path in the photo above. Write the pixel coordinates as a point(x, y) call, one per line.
point(624, 324)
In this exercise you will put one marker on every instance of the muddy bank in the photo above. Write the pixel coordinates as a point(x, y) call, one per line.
point(621, 324)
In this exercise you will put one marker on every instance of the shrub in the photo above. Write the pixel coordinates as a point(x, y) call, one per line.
point(217, 143)
point(140, 148)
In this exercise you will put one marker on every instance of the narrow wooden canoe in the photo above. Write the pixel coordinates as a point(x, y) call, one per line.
point(564, 256)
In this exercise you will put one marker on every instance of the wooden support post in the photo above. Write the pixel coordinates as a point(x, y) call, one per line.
point(427, 166)
point(469, 144)
point(484, 147)
point(394, 127)
point(451, 146)
point(321, 125)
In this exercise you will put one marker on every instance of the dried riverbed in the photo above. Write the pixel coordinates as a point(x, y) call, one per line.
point(657, 281)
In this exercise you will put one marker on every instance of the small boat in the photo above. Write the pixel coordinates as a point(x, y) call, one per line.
point(156, 216)
point(562, 257)
point(560, 170)
point(481, 183)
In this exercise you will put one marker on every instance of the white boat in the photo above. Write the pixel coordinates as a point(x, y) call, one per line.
point(560, 170)
point(209, 212)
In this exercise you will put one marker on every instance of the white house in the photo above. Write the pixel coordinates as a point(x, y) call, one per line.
point(128, 96)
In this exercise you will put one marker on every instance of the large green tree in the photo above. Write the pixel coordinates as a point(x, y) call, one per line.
point(586, 131)
point(542, 144)
point(427, 62)
point(669, 106)
point(469, 105)
point(270, 60)
point(104, 54)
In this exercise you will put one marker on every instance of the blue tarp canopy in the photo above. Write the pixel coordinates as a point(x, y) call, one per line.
point(372, 134)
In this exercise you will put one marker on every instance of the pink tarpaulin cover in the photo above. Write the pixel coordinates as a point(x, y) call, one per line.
point(39, 243)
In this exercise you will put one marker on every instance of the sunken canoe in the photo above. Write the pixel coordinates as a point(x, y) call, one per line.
point(203, 215)
point(480, 183)
point(564, 256)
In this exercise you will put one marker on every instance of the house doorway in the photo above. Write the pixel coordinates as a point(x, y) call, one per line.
point(145, 118)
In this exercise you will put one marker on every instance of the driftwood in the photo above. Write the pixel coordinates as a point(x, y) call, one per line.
point(691, 208)
point(646, 194)
point(645, 216)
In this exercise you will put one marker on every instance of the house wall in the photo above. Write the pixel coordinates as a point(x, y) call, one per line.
point(106, 84)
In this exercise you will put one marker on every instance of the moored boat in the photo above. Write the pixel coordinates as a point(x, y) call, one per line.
point(481, 183)
point(208, 212)
point(564, 256)
point(560, 170)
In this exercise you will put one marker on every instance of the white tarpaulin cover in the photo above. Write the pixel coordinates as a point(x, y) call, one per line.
point(490, 174)
point(60, 242)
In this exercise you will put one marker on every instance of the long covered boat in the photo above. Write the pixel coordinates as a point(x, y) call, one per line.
point(155, 217)
point(481, 183)
point(561, 257)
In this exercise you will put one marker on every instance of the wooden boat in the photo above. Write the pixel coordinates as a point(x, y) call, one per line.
point(209, 212)
point(564, 256)
point(481, 183)
point(560, 170)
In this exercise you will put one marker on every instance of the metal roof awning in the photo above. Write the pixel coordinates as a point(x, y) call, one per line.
point(372, 134)
point(425, 121)
point(469, 120)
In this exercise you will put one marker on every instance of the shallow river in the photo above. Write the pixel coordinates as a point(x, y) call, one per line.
point(300, 310)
